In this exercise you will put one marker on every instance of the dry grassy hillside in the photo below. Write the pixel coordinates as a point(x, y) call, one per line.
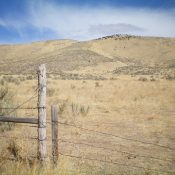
point(139, 50)
point(130, 54)
point(119, 85)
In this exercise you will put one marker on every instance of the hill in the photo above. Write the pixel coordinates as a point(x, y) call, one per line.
point(117, 54)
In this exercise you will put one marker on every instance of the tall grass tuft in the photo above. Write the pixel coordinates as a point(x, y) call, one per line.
point(79, 109)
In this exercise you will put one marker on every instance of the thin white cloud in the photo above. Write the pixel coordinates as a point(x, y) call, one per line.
point(13, 24)
point(78, 23)
point(108, 29)
point(2, 23)
point(83, 23)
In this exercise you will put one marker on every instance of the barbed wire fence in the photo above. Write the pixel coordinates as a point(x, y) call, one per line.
point(31, 121)
point(58, 139)
point(55, 140)
point(25, 138)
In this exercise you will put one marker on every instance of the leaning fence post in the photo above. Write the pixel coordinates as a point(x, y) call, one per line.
point(42, 148)
point(54, 116)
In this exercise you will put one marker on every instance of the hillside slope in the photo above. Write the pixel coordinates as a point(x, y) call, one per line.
point(126, 54)
point(143, 50)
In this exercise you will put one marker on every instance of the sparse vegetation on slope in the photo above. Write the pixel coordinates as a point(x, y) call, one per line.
point(155, 54)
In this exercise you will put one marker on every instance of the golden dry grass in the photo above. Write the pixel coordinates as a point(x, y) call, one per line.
point(125, 107)
point(117, 85)
point(67, 55)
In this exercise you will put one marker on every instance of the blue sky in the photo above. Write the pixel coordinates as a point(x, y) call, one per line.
point(23, 21)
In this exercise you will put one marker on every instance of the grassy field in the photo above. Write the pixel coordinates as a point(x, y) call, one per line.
point(132, 100)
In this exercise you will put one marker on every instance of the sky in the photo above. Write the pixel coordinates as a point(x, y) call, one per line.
point(24, 21)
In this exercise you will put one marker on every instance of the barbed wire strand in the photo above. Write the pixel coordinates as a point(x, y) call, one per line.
point(32, 97)
point(24, 138)
point(19, 73)
point(29, 125)
point(22, 108)
point(116, 136)
point(13, 158)
point(115, 163)
point(114, 150)
point(50, 122)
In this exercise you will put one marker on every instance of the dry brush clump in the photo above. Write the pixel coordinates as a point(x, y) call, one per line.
point(169, 77)
point(50, 92)
point(14, 150)
point(6, 103)
point(97, 84)
point(10, 79)
point(73, 108)
point(79, 109)
point(21, 78)
point(142, 79)
point(29, 77)
point(62, 107)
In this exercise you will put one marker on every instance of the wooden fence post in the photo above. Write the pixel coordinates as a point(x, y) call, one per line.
point(54, 116)
point(42, 147)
